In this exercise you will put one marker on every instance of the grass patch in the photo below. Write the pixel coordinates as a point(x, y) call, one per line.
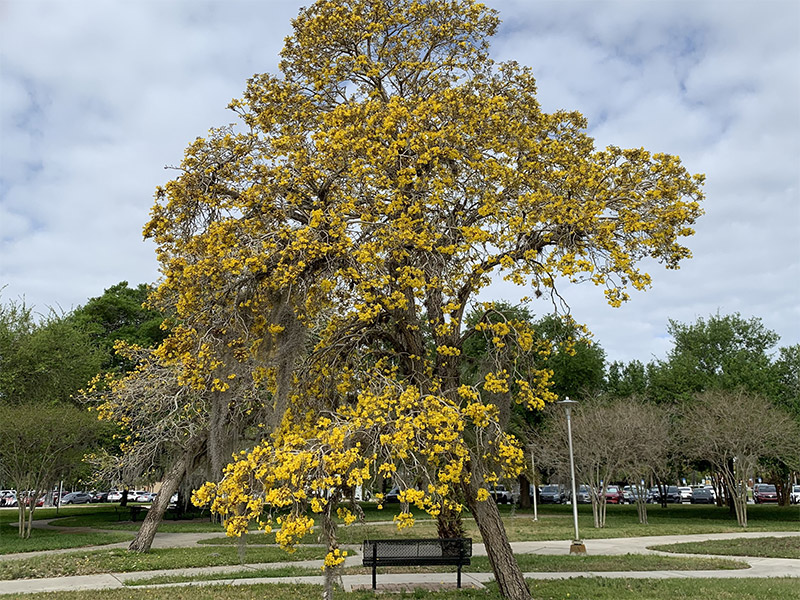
point(480, 564)
point(765, 547)
point(545, 563)
point(48, 539)
point(287, 571)
point(574, 589)
point(122, 561)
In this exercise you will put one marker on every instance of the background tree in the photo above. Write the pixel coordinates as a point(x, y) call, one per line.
point(625, 380)
point(40, 444)
point(375, 189)
point(600, 447)
point(725, 352)
point(120, 314)
point(42, 364)
point(649, 437)
point(721, 427)
point(786, 369)
point(43, 361)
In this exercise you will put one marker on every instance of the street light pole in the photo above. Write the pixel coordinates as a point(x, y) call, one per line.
point(535, 489)
point(577, 546)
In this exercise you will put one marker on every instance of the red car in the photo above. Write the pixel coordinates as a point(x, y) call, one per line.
point(764, 492)
point(614, 495)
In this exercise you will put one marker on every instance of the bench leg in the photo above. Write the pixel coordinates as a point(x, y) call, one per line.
point(458, 581)
point(374, 577)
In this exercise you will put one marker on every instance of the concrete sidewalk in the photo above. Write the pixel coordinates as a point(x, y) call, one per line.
point(759, 567)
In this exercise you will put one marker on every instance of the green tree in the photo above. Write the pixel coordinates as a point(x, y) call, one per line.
point(625, 380)
point(45, 361)
point(40, 444)
point(376, 187)
point(786, 369)
point(120, 314)
point(725, 352)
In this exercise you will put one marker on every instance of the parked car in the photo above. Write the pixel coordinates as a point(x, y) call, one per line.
point(76, 498)
point(633, 492)
point(686, 493)
point(552, 494)
point(614, 495)
point(133, 494)
point(584, 495)
point(764, 492)
point(794, 496)
point(392, 496)
point(145, 497)
point(672, 495)
point(8, 498)
point(99, 496)
point(501, 495)
point(114, 496)
point(702, 495)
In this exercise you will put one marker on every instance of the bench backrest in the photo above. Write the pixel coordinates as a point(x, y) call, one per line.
point(442, 549)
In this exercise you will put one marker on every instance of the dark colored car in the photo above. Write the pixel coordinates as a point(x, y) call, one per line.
point(99, 497)
point(702, 496)
point(672, 495)
point(392, 496)
point(764, 492)
point(552, 494)
point(76, 498)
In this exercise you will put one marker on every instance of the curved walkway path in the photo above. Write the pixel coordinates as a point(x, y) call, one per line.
point(759, 567)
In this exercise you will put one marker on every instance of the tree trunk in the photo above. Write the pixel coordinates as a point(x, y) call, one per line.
point(506, 570)
point(524, 492)
point(332, 573)
point(641, 503)
point(147, 532)
point(449, 523)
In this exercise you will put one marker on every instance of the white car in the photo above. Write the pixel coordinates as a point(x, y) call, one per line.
point(114, 496)
point(686, 493)
point(794, 497)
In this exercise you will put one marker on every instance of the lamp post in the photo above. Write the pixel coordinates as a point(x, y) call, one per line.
point(535, 489)
point(577, 546)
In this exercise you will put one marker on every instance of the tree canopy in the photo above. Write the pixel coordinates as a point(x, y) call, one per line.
point(335, 237)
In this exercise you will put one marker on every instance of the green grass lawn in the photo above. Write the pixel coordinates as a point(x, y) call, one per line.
point(766, 547)
point(571, 589)
point(121, 561)
point(44, 539)
point(480, 564)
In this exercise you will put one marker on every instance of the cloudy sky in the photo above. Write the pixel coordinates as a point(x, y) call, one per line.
point(97, 97)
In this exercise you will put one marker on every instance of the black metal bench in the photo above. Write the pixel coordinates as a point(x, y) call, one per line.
point(416, 552)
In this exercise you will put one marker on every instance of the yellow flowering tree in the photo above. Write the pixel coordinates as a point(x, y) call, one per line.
point(335, 237)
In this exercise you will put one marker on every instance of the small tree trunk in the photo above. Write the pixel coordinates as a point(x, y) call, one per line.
point(332, 573)
point(641, 503)
point(506, 570)
point(147, 532)
point(595, 508)
point(524, 492)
